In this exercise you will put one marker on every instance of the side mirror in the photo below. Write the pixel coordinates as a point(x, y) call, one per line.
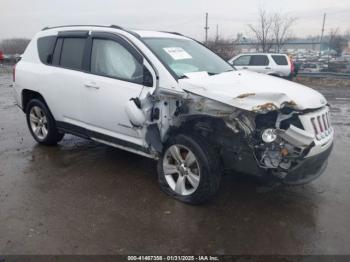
point(147, 77)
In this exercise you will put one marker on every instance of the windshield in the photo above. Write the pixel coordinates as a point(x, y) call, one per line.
point(183, 56)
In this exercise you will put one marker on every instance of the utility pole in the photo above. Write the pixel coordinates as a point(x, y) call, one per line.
point(321, 39)
point(206, 28)
point(217, 33)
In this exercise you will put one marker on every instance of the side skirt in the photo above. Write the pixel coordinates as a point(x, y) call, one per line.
point(102, 138)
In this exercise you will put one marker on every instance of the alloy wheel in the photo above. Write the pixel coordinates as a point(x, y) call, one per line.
point(181, 169)
point(38, 122)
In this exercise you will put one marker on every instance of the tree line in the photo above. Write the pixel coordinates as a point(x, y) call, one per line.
point(14, 46)
point(271, 32)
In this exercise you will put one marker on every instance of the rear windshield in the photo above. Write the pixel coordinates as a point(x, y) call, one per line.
point(45, 45)
point(280, 59)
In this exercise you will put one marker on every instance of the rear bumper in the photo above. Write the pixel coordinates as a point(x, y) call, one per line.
point(308, 169)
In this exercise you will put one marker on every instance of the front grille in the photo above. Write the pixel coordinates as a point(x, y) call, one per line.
point(321, 125)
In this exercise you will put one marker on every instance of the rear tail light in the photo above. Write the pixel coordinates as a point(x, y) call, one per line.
point(14, 73)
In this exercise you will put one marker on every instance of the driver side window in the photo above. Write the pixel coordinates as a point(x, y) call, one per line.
point(111, 59)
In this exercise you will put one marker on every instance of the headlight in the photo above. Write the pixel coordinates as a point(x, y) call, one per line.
point(269, 135)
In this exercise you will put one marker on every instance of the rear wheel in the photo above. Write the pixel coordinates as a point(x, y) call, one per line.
point(189, 170)
point(41, 123)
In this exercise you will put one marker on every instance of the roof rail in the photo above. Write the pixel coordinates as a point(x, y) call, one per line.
point(62, 26)
point(107, 26)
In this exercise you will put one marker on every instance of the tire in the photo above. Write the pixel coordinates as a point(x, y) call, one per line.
point(205, 173)
point(41, 123)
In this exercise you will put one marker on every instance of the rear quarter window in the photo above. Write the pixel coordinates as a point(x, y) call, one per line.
point(280, 59)
point(72, 53)
point(45, 47)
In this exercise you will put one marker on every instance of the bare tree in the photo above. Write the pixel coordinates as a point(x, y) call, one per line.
point(225, 48)
point(336, 41)
point(14, 45)
point(263, 30)
point(281, 29)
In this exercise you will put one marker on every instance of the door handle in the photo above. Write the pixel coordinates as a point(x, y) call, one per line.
point(244, 67)
point(267, 67)
point(91, 85)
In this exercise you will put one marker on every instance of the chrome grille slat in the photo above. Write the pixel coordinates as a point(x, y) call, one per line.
point(321, 125)
point(324, 122)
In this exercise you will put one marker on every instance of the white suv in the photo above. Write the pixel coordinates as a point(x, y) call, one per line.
point(169, 98)
point(270, 64)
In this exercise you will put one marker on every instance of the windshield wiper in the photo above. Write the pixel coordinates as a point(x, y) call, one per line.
point(182, 77)
point(212, 73)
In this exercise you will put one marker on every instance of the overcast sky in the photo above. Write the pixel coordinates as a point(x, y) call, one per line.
point(23, 18)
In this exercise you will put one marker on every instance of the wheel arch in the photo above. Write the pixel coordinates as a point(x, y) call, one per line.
point(27, 95)
point(193, 125)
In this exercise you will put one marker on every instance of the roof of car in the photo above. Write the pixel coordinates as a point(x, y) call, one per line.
point(111, 28)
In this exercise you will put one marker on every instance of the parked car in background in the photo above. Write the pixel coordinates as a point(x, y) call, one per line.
point(1, 56)
point(167, 97)
point(271, 64)
point(310, 68)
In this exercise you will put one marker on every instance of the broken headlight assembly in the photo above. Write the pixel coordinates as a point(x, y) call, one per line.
point(270, 149)
point(269, 135)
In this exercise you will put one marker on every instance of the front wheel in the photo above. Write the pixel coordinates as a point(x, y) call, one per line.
point(41, 123)
point(189, 170)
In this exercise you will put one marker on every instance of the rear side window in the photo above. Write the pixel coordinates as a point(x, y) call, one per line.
point(280, 59)
point(242, 61)
point(45, 46)
point(72, 53)
point(259, 60)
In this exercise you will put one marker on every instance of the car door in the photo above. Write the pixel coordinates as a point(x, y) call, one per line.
point(241, 62)
point(116, 73)
point(260, 64)
point(65, 75)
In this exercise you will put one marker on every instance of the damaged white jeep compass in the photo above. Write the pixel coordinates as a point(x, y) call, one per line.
point(167, 97)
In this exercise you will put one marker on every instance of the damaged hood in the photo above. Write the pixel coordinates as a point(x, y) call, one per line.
point(252, 91)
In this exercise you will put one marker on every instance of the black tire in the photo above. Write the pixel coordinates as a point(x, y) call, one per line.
point(209, 165)
point(53, 136)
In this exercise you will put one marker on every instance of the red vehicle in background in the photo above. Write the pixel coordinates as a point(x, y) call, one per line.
point(1, 56)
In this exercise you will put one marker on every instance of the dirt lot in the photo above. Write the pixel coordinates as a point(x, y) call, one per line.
point(85, 198)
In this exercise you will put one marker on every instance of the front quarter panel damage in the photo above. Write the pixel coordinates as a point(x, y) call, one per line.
point(234, 132)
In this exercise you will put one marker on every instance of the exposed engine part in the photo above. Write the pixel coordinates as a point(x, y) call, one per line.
point(282, 117)
point(242, 122)
point(278, 155)
point(286, 150)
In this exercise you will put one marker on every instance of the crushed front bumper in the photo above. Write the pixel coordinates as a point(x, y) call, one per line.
point(308, 169)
